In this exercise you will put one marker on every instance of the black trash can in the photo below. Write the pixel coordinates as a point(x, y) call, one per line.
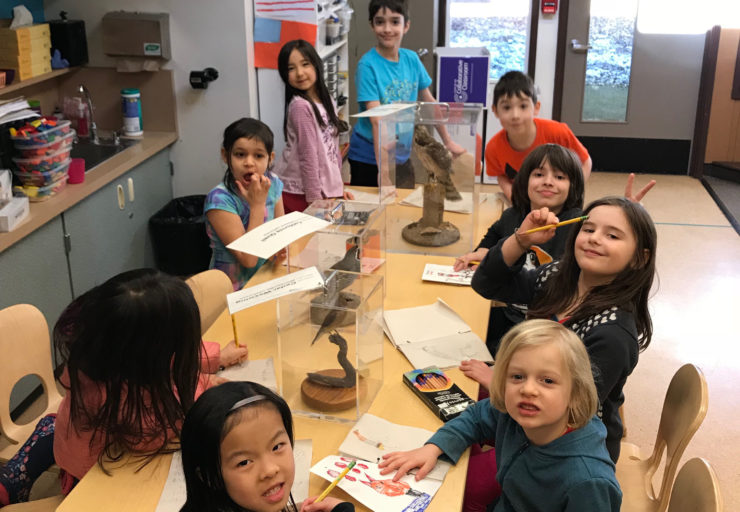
point(179, 239)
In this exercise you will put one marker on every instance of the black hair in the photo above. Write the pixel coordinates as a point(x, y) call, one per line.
point(248, 128)
point(397, 6)
point(513, 84)
point(561, 159)
point(309, 52)
point(137, 337)
point(206, 425)
point(629, 290)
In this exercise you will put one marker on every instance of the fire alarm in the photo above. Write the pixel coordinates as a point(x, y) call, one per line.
point(549, 6)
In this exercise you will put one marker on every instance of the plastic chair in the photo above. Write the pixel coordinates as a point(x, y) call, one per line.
point(684, 409)
point(43, 505)
point(696, 489)
point(210, 289)
point(26, 349)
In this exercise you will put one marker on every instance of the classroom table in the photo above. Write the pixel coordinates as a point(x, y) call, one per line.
point(130, 486)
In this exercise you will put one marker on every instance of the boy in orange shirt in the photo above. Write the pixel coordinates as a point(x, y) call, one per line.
point(516, 107)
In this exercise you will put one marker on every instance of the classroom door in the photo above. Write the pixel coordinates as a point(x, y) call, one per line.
point(629, 96)
point(422, 37)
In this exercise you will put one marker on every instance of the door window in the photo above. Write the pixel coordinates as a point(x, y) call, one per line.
point(499, 25)
point(609, 60)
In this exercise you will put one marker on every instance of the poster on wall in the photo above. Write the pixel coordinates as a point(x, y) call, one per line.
point(276, 23)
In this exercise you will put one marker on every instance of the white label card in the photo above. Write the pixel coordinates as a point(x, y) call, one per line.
point(267, 239)
point(306, 279)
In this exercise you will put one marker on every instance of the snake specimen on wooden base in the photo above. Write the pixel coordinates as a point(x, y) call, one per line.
point(350, 374)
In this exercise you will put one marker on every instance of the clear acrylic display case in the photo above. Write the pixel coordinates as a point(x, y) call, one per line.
point(353, 224)
point(330, 347)
point(436, 201)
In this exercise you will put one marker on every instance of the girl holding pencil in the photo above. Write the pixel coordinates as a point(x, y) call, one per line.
point(550, 177)
point(237, 454)
point(134, 363)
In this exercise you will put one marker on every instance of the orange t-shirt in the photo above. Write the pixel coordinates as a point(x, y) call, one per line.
point(501, 158)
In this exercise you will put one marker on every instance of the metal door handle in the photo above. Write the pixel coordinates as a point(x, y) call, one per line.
point(578, 47)
point(422, 52)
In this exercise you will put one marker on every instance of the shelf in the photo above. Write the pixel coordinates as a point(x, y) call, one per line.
point(15, 86)
point(325, 51)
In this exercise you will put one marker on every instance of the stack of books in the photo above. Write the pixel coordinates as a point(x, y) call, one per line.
point(27, 50)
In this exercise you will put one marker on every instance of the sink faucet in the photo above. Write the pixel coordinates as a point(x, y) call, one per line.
point(93, 127)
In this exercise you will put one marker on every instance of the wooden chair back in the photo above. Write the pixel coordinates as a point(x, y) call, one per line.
point(210, 289)
point(696, 489)
point(26, 349)
point(684, 409)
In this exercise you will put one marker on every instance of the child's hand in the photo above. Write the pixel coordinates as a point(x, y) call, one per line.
point(643, 191)
point(255, 191)
point(325, 505)
point(536, 219)
point(348, 195)
point(216, 380)
point(479, 371)
point(465, 261)
point(423, 458)
point(455, 148)
point(231, 354)
point(280, 255)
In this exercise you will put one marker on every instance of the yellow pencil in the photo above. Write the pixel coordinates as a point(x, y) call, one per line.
point(335, 482)
point(233, 325)
point(542, 228)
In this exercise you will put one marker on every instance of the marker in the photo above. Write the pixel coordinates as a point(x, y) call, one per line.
point(335, 482)
point(549, 226)
point(233, 325)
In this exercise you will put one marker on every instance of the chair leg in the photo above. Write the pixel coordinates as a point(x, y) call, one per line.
point(624, 424)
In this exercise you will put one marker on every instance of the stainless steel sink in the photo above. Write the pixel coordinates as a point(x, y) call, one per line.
point(95, 154)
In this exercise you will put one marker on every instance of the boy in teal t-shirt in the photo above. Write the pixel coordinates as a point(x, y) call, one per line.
point(388, 74)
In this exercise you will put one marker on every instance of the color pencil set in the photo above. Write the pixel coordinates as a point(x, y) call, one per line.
point(438, 392)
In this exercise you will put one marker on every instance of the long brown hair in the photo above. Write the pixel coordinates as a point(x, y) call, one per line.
point(629, 290)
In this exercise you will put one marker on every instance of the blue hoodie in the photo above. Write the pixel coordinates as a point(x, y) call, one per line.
point(573, 472)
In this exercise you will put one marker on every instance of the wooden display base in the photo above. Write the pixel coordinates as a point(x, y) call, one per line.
point(331, 399)
point(418, 234)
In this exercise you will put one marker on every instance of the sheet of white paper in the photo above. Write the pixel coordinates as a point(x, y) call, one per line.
point(174, 493)
point(261, 371)
point(446, 351)
point(302, 452)
point(384, 110)
point(446, 274)
point(362, 196)
point(372, 437)
point(379, 493)
point(410, 325)
point(270, 237)
point(306, 279)
point(464, 205)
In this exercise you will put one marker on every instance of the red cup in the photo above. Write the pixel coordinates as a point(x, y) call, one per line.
point(77, 170)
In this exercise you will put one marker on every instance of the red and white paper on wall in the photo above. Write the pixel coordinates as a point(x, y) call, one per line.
point(276, 23)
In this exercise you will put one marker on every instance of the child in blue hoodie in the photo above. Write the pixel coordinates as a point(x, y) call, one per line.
point(550, 447)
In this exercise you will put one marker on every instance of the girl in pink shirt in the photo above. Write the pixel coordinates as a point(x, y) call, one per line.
point(311, 163)
point(134, 365)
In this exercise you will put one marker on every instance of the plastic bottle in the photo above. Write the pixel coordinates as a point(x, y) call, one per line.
point(131, 109)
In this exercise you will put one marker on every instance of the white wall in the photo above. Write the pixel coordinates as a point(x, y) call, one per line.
point(203, 34)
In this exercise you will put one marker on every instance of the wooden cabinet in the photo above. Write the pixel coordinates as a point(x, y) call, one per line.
point(105, 239)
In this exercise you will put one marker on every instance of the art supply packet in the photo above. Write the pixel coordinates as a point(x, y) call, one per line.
point(438, 392)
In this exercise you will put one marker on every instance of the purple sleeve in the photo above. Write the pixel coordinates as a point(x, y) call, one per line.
point(308, 141)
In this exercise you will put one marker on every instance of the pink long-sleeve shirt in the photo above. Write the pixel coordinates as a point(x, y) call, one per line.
point(73, 451)
point(310, 163)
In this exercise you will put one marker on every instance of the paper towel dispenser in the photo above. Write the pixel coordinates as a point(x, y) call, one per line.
point(136, 34)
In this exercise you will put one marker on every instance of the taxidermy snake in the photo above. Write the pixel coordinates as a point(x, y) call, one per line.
point(350, 373)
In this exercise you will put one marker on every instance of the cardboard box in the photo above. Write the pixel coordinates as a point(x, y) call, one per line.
point(22, 35)
point(24, 59)
point(27, 46)
point(26, 72)
point(13, 213)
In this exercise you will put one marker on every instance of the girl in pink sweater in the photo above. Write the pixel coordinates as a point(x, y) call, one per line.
point(134, 365)
point(310, 165)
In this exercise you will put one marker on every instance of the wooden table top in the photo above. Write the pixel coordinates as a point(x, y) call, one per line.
point(127, 489)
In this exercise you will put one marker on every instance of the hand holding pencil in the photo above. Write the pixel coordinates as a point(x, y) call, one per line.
point(536, 219)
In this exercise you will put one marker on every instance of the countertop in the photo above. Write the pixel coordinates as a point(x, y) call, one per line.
point(150, 144)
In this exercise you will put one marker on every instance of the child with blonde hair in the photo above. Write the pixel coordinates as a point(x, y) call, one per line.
point(550, 447)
